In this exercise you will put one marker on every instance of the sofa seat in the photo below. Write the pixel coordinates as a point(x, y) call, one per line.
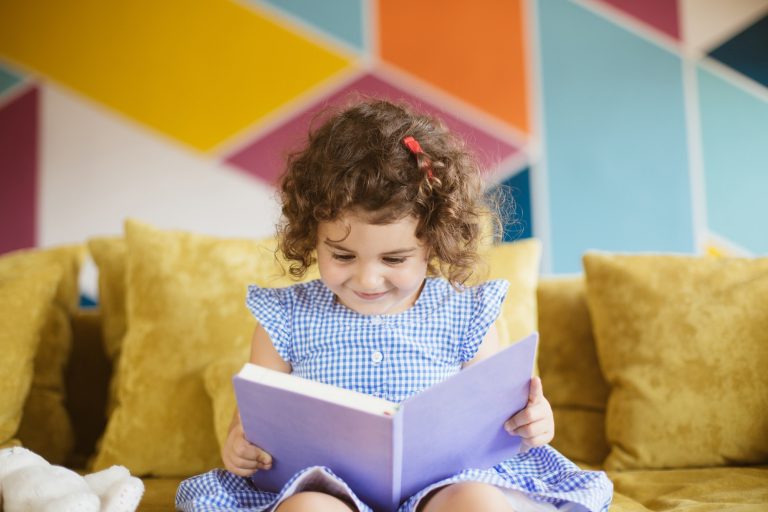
point(159, 494)
point(731, 489)
point(707, 489)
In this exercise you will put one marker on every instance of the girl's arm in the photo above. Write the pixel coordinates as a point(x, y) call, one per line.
point(240, 456)
point(263, 352)
point(488, 347)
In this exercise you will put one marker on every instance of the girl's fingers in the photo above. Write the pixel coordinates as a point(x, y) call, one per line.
point(244, 458)
point(532, 430)
point(246, 464)
point(246, 450)
point(246, 467)
point(537, 441)
point(531, 414)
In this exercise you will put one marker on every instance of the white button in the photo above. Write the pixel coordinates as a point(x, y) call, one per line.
point(377, 357)
point(376, 320)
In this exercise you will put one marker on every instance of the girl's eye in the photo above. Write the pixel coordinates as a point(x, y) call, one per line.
point(343, 257)
point(393, 261)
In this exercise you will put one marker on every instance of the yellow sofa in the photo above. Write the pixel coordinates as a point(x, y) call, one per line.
point(654, 365)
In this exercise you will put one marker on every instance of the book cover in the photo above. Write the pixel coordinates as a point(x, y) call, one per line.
point(383, 451)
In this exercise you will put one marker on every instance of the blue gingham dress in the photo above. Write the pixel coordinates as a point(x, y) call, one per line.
point(392, 357)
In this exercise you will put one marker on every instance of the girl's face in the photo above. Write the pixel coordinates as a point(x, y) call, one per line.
point(375, 269)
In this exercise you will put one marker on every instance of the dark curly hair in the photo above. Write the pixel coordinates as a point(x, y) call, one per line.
point(356, 161)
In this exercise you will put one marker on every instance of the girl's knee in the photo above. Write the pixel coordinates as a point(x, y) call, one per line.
point(468, 496)
point(313, 501)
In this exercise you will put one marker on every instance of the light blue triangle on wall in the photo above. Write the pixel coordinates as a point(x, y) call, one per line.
point(342, 19)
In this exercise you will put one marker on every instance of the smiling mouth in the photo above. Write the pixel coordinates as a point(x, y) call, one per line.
point(370, 296)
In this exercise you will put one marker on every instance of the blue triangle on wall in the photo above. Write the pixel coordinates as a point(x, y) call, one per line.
point(513, 197)
point(747, 51)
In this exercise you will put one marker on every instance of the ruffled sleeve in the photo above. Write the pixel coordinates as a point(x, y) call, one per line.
point(273, 308)
point(487, 299)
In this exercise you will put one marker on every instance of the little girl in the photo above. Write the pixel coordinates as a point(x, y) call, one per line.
point(390, 206)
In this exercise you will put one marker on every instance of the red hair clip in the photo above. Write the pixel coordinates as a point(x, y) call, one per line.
point(415, 148)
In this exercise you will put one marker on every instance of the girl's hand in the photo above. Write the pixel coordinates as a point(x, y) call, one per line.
point(535, 424)
point(240, 456)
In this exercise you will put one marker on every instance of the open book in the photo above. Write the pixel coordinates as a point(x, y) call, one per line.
point(384, 451)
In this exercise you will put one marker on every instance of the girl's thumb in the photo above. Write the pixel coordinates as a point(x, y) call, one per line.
point(536, 390)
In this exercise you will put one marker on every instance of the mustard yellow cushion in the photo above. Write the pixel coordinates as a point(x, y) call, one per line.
point(46, 427)
point(185, 303)
point(517, 262)
point(218, 385)
point(570, 372)
point(108, 254)
point(683, 343)
point(25, 300)
point(580, 434)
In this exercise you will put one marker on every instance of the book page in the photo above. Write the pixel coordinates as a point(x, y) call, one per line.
point(318, 390)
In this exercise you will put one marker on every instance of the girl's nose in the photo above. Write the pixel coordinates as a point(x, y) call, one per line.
point(368, 277)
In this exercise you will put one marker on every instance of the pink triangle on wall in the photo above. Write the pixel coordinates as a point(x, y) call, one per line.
point(663, 15)
point(18, 171)
point(264, 156)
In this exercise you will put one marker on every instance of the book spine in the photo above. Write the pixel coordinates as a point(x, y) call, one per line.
point(397, 460)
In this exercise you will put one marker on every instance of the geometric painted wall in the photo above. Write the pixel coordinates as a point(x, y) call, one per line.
point(615, 124)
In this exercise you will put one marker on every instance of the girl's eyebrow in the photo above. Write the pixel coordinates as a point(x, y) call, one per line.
point(335, 245)
point(340, 247)
point(401, 251)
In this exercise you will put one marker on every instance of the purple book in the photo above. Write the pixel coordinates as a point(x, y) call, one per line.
point(384, 451)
